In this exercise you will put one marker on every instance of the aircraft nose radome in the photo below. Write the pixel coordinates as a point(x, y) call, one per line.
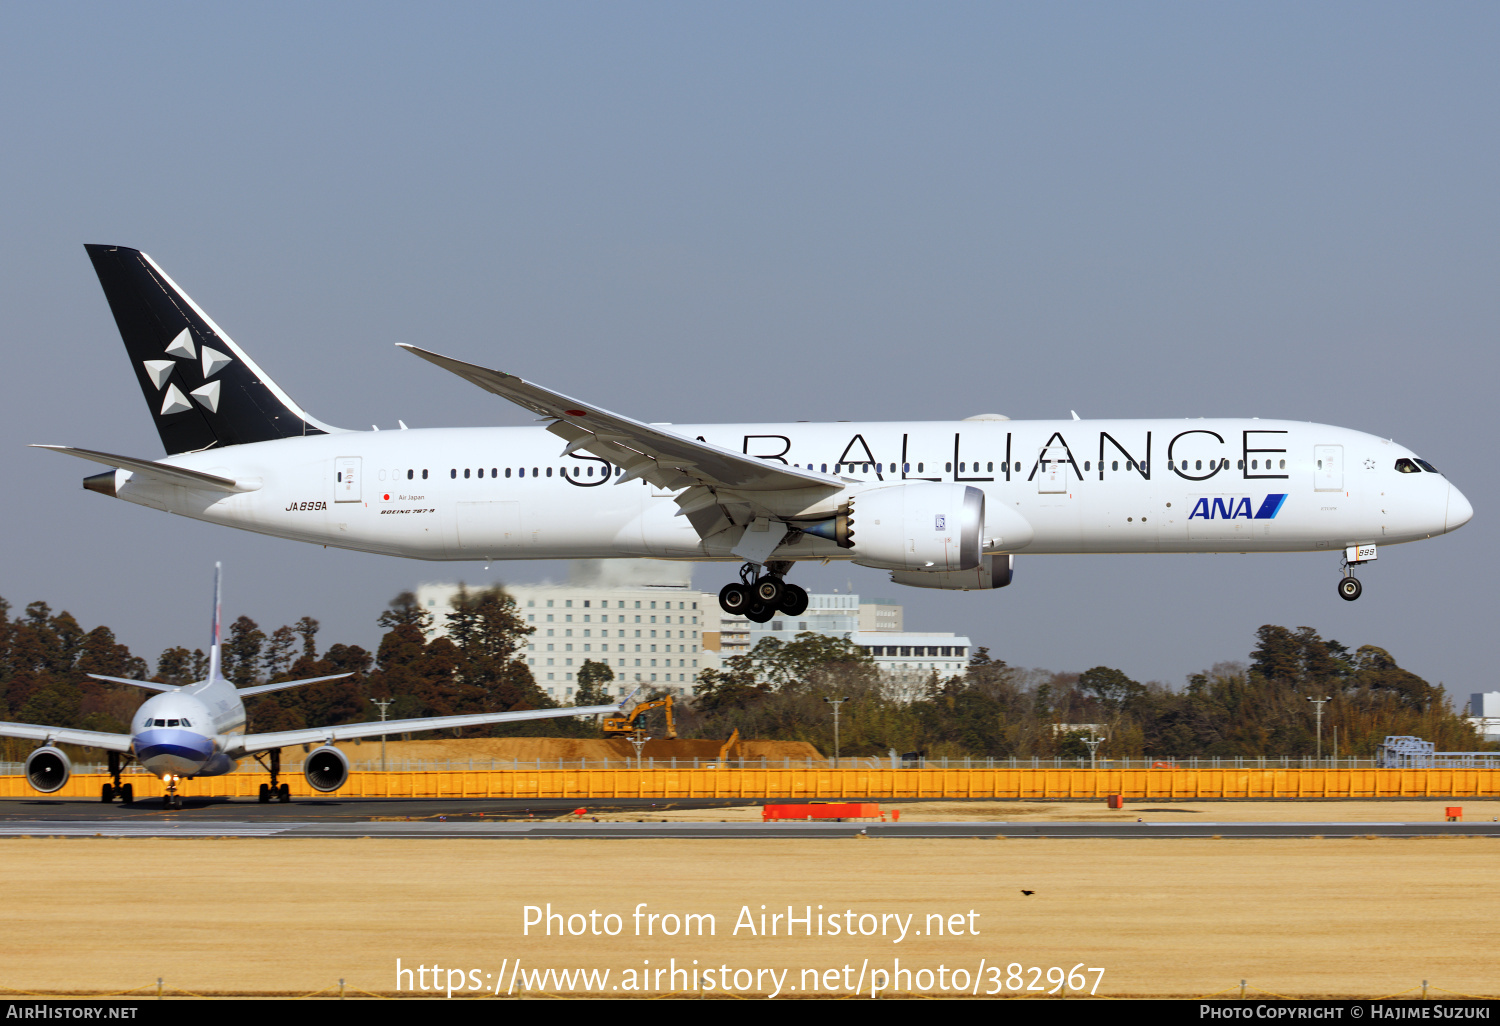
point(1460, 512)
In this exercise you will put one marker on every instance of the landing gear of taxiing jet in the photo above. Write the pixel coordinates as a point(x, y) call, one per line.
point(126, 793)
point(171, 800)
point(1355, 555)
point(273, 792)
point(758, 597)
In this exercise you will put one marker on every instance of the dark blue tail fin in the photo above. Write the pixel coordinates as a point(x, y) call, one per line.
point(203, 390)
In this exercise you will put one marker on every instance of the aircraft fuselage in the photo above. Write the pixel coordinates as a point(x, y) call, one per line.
point(1088, 486)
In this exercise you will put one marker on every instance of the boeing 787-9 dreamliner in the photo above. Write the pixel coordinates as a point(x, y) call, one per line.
point(938, 504)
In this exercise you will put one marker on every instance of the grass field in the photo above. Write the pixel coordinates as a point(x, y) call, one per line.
point(1161, 917)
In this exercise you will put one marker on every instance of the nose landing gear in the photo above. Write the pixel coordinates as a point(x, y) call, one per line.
point(758, 597)
point(1355, 555)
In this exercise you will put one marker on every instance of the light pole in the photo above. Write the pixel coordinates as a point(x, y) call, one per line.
point(1093, 742)
point(836, 702)
point(384, 704)
point(1318, 703)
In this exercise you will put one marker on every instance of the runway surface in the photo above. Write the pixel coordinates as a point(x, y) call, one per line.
point(518, 819)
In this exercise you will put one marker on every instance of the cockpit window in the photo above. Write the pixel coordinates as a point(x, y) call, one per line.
point(1427, 466)
point(171, 723)
point(1406, 466)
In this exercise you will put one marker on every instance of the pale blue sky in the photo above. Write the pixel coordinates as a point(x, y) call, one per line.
point(706, 212)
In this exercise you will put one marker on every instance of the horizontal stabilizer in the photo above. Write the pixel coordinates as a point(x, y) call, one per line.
point(261, 689)
point(160, 471)
point(149, 685)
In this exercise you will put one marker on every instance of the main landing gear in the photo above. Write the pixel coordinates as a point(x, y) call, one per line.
point(758, 598)
point(273, 791)
point(126, 793)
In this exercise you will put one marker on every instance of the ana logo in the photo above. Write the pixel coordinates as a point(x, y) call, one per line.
point(1235, 507)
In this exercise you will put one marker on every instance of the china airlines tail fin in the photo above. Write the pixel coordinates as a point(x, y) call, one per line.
point(215, 657)
point(203, 390)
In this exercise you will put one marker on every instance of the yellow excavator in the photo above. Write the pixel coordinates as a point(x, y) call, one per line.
point(619, 726)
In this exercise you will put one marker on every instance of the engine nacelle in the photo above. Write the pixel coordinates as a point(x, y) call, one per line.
point(926, 526)
point(992, 572)
point(326, 769)
point(48, 769)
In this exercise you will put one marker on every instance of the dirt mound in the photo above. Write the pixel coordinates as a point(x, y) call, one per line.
point(779, 751)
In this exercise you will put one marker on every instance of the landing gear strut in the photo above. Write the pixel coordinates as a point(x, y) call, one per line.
point(171, 800)
point(273, 791)
point(1349, 586)
point(760, 596)
point(126, 792)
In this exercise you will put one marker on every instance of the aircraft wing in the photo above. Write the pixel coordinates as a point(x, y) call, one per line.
point(67, 736)
point(249, 744)
point(149, 468)
point(666, 459)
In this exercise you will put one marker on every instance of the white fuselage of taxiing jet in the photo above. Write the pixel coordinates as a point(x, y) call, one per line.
point(1082, 486)
point(189, 732)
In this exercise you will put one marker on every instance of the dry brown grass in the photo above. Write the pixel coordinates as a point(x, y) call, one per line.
point(1189, 918)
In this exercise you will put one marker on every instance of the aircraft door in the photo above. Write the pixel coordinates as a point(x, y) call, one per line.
point(1052, 472)
point(1328, 468)
point(346, 479)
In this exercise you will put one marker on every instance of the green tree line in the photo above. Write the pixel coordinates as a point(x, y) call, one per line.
point(777, 691)
point(1260, 708)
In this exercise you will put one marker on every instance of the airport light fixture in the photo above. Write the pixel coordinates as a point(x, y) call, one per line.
point(1318, 704)
point(1093, 742)
point(384, 703)
point(836, 702)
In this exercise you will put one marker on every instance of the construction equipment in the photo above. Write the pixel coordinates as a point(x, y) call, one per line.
point(618, 726)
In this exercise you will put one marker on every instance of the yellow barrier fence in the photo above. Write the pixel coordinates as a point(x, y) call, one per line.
point(804, 784)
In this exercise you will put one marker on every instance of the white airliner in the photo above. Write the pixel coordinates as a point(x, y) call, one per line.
point(198, 730)
point(940, 505)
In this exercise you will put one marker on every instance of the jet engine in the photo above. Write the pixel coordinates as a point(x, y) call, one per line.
point(48, 769)
point(326, 769)
point(992, 572)
point(926, 526)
